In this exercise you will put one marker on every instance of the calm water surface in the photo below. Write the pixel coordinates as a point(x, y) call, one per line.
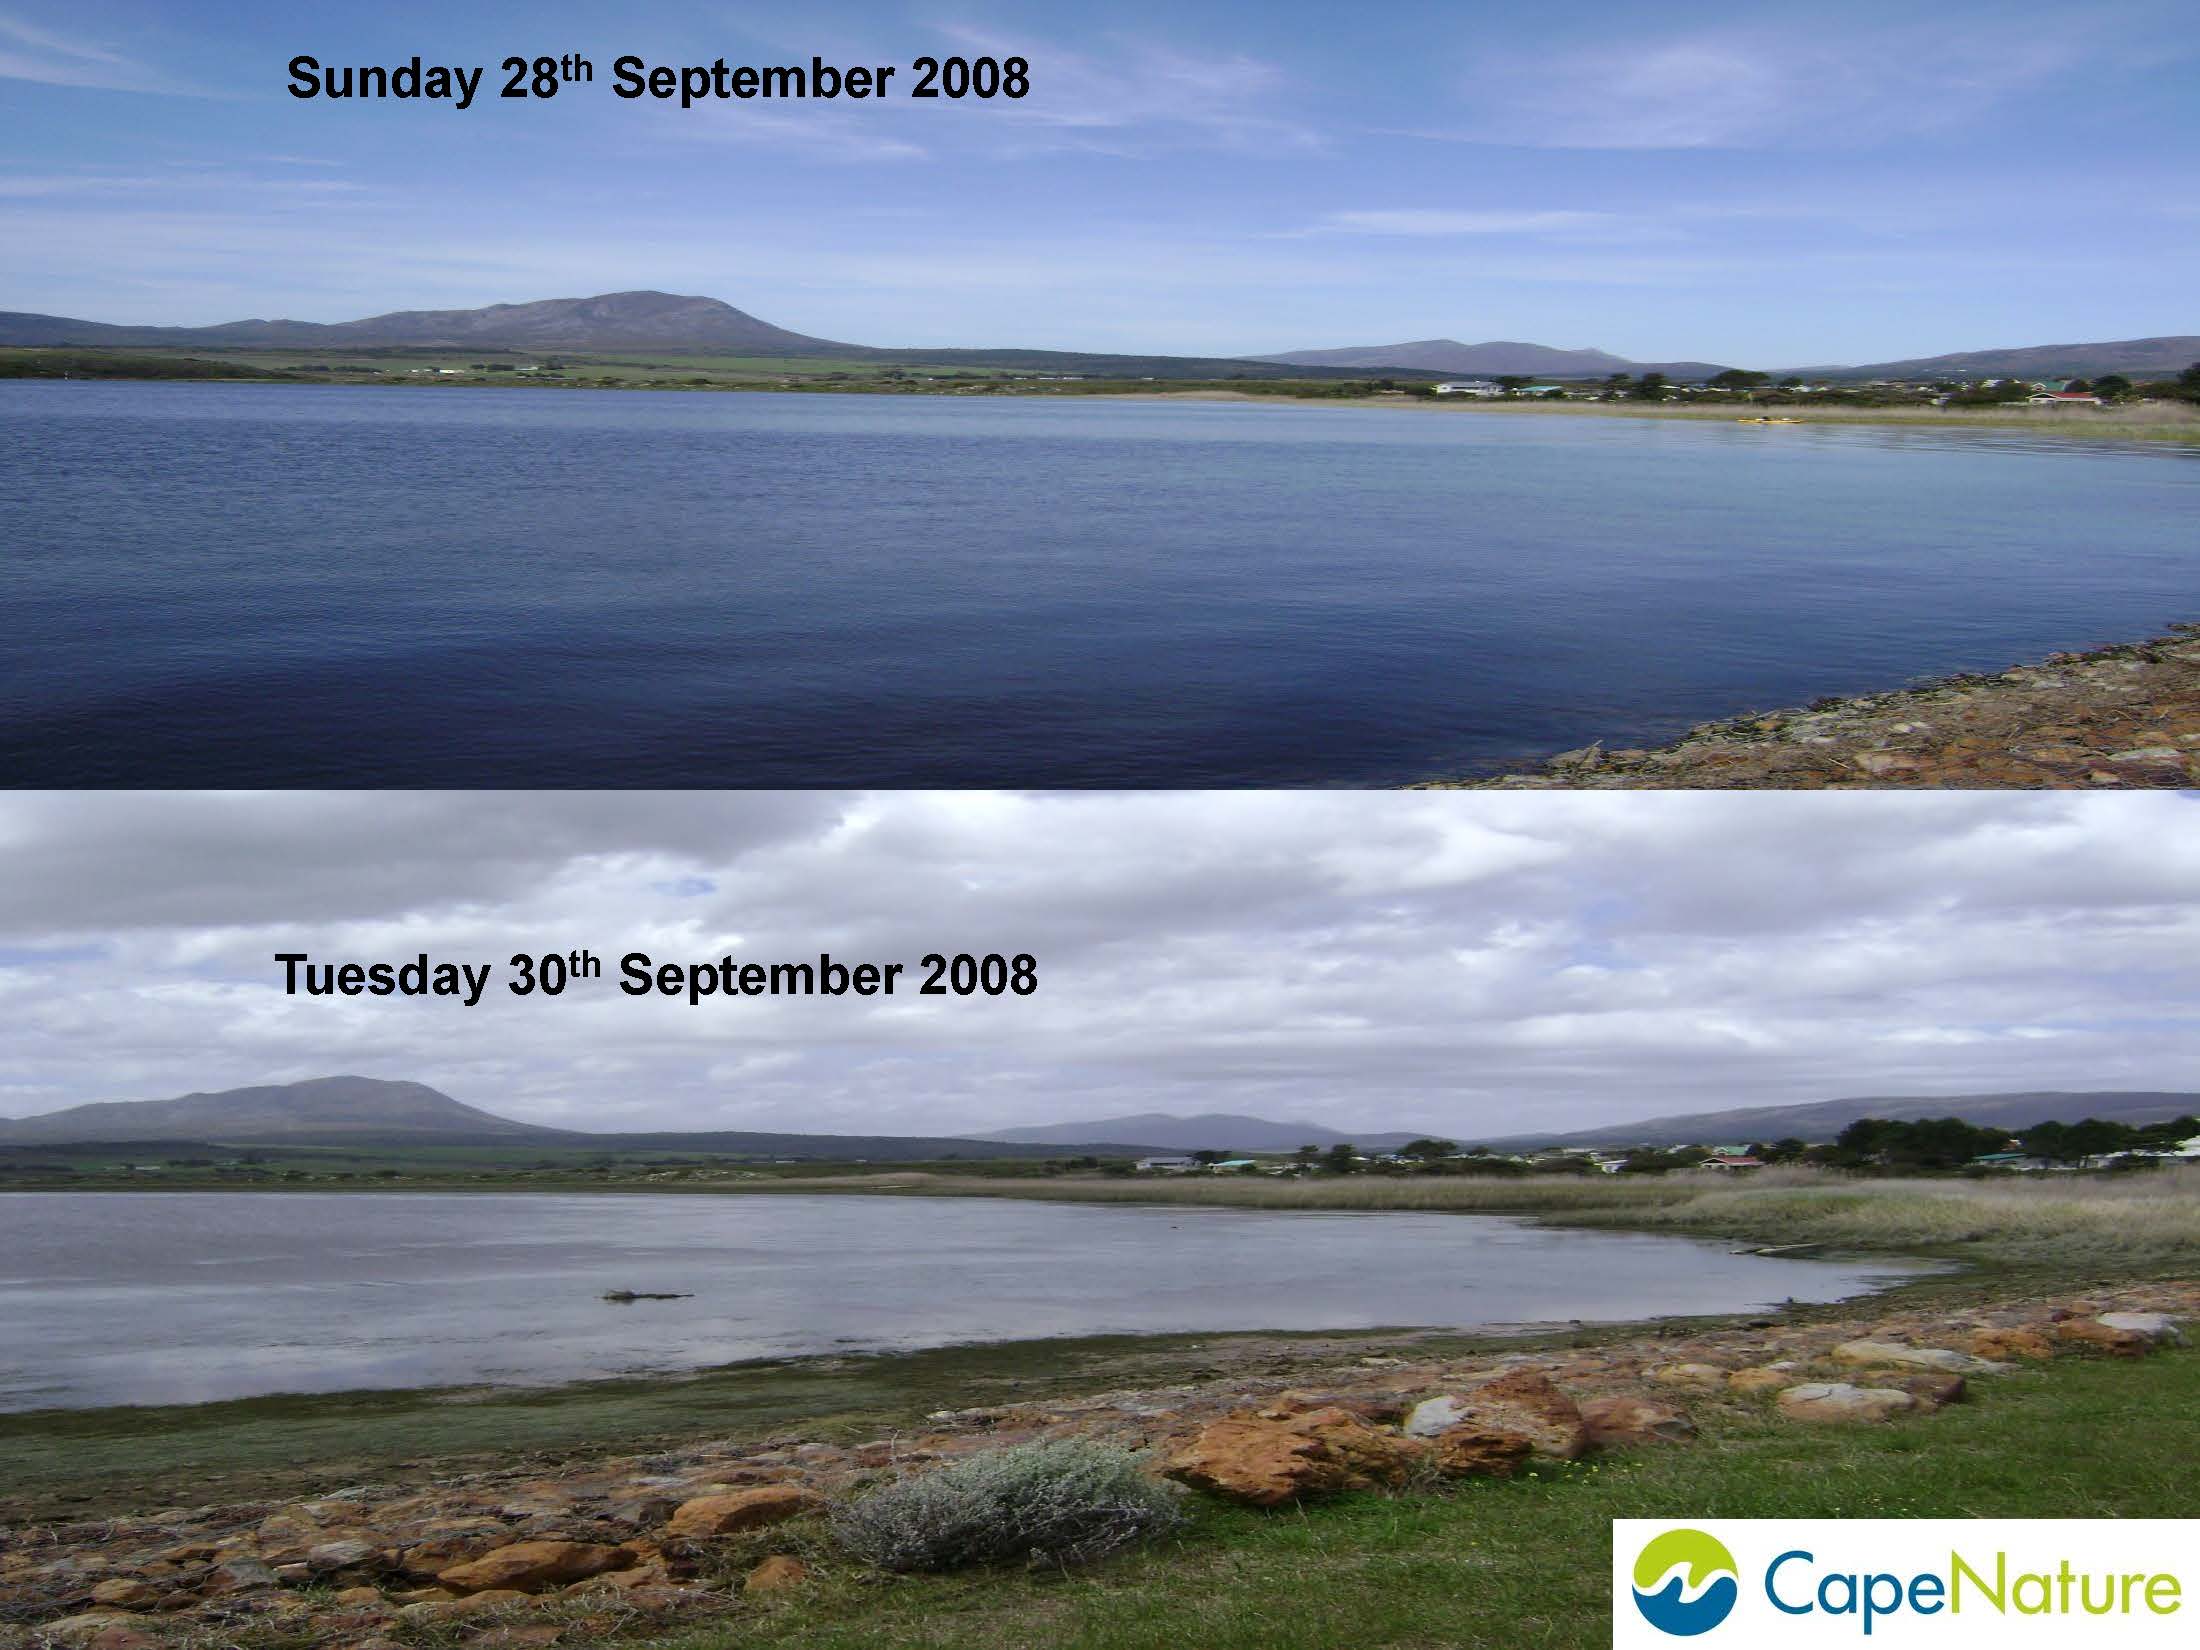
point(240, 584)
point(183, 1297)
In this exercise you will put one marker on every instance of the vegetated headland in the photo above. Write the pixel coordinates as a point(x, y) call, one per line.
point(2165, 411)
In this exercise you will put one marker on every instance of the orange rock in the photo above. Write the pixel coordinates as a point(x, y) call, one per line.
point(2101, 1337)
point(1468, 1452)
point(2005, 1344)
point(1622, 1420)
point(1523, 1402)
point(776, 1574)
point(710, 1515)
point(527, 1566)
point(1266, 1463)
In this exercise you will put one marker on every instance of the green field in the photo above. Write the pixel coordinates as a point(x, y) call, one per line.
point(1521, 1564)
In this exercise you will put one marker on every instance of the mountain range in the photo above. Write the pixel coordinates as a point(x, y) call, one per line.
point(333, 1109)
point(337, 1111)
point(675, 323)
point(612, 320)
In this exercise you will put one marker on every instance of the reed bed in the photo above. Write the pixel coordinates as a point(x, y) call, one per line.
point(2150, 1216)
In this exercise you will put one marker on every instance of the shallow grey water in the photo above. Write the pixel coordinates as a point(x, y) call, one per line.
point(146, 1298)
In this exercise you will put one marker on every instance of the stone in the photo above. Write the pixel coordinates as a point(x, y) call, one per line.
point(710, 1515)
point(82, 1629)
point(1624, 1421)
point(446, 1542)
point(2158, 1328)
point(1267, 1463)
point(2103, 1337)
point(776, 1574)
point(238, 1575)
point(1382, 1408)
point(359, 1595)
point(2005, 1344)
point(1760, 1378)
point(341, 1555)
point(1523, 1402)
point(1695, 1375)
point(1882, 1353)
point(1469, 1452)
point(430, 1611)
point(127, 1593)
point(526, 1566)
point(1838, 1401)
point(1934, 1389)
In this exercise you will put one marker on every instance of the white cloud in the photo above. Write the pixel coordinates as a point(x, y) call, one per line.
point(1442, 221)
point(29, 52)
point(1471, 964)
point(1829, 84)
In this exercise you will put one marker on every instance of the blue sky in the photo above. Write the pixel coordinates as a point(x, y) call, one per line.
point(1781, 184)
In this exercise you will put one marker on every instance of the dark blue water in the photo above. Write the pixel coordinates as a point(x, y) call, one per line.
point(248, 585)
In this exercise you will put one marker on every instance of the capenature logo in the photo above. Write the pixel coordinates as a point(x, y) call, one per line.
point(1686, 1582)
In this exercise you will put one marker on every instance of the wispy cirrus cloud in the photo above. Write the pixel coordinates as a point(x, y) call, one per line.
point(1821, 85)
point(29, 52)
point(1440, 221)
point(1138, 96)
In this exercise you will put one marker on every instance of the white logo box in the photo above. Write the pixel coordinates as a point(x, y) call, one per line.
point(1933, 1583)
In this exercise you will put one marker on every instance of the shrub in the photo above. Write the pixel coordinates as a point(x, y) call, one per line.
point(1064, 1502)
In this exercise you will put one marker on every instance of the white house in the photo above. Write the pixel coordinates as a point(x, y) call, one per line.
point(1167, 1165)
point(1480, 388)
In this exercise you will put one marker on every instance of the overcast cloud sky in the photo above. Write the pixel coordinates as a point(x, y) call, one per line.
point(1470, 965)
point(1767, 184)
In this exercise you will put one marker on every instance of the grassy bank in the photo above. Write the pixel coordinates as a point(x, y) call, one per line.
point(1505, 1565)
point(2122, 1222)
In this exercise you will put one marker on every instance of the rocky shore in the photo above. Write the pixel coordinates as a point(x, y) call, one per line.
point(2124, 717)
point(594, 1550)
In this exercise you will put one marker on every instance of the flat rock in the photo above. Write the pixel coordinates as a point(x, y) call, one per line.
point(1760, 1378)
point(527, 1566)
point(1839, 1401)
point(1265, 1463)
point(709, 1515)
point(1913, 1357)
point(2005, 1344)
point(1695, 1375)
point(2158, 1328)
point(2103, 1337)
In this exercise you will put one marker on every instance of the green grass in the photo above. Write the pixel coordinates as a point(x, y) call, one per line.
point(1511, 1565)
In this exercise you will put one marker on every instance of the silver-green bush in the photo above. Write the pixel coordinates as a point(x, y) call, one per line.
point(1064, 1502)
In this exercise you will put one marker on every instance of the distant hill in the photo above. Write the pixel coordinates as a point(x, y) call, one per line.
point(366, 1112)
point(662, 322)
point(1822, 1120)
point(321, 1108)
point(2138, 358)
point(1209, 1131)
point(612, 320)
point(1500, 357)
